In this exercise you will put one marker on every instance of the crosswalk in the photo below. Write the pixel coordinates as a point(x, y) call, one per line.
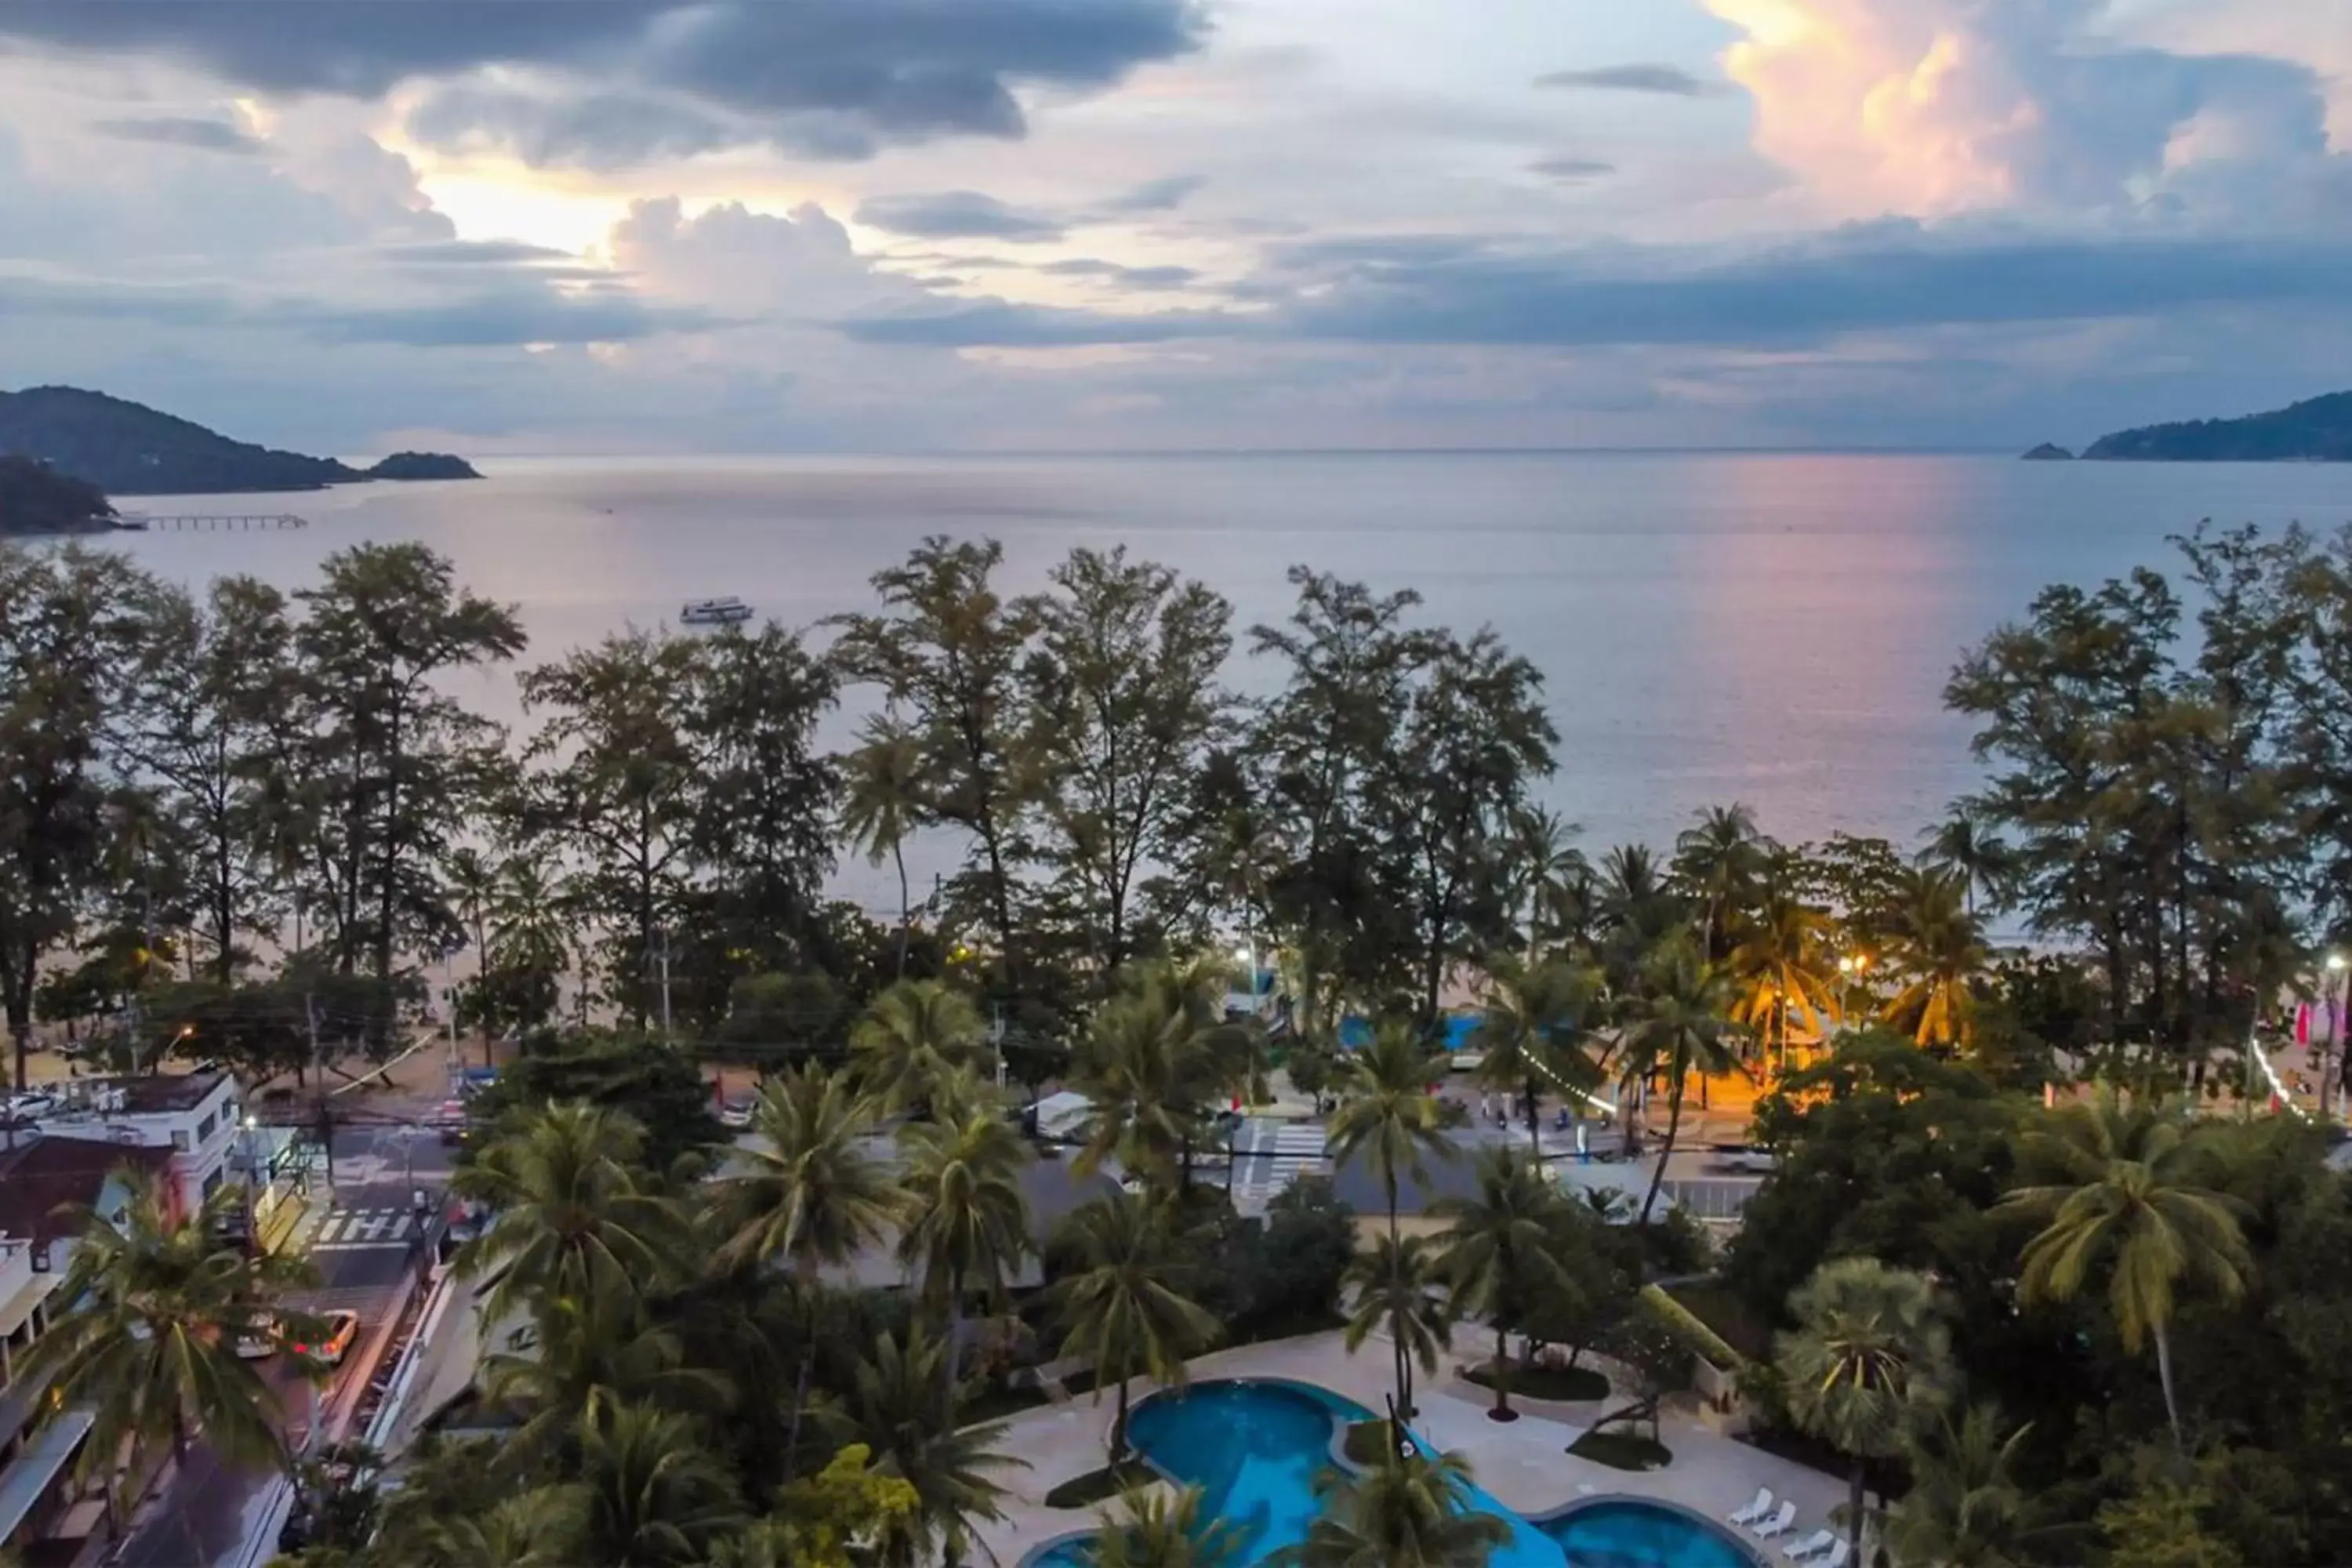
point(1269, 1155)
point(340, 1230)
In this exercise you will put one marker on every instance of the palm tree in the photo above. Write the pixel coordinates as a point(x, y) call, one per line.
point(532, 926)
point(1636, 911)
point(969, 1220)
point(471, 879)
point(537, 1528)
point(1123, 1303)
point(1545, 867)
point(650, 1493)
point(1162, 1529)
point(882, 804)
point(1403, 1512)
point(587, 1350)
point(1156, 1059)
point(1498, 1253)
point(1531, 1030)
point(1966, 847)
point(1939, 952)
point(1398, 1286)
point(917, 1035)
point(573, 1221)
point(1869, 1355)
point(894, 1410)
point(1387, 1115)
point(1685, 1024)
point(1781, 961)
point(811, 1194)
point(2130, 1201)
point(1967, 1507)
point(1719, 860)
point(148, 1343)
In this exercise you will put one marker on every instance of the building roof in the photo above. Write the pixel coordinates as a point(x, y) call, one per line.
point(154, 1094)
point(41, 1176)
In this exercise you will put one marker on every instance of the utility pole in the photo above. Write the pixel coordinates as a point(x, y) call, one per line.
point(318, 1088)
point(664, 982)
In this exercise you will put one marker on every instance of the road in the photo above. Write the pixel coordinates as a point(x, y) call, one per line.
point(365, 1246)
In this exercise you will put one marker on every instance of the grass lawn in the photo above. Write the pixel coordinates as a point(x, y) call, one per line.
point(1365, 1441)
point(1100, 1486)
point(1622, 1451)
point(1545, 1382)
point(1712, 1303)
point(996, 1403)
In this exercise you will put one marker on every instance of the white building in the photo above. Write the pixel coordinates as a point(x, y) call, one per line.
point(194, 1115)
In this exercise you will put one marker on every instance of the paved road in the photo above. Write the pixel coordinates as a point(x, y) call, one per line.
point(364, 1244)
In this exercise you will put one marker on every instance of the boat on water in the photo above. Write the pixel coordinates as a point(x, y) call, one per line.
point(724, 612)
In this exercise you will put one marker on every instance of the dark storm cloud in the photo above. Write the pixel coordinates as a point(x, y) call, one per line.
point(175, 131)
point(1668, 81)
point(1571, 169)
point(1883, 277)
point(1158, 195)
point(958, 215)
point(589, 131)
point(903, 67)
point(1112, 273)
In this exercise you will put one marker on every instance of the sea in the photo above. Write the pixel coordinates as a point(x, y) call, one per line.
point(1773, 629)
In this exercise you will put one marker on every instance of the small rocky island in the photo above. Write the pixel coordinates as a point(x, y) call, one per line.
point(2316, 431)
point(127, 448)
point(37, 498)
point(2049, 452)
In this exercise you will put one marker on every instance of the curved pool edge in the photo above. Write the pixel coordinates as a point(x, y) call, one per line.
point(1045, 1549)
point(1752, 1552)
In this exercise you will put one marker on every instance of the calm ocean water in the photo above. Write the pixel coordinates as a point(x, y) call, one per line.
point(1773, 629)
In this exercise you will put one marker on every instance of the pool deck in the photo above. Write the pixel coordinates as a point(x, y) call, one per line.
point(1523, 1463)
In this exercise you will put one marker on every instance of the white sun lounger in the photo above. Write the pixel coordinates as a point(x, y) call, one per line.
point(1839, 1555)
point(1779, 1523)
point(1754, 1511)
point(1819, 1540)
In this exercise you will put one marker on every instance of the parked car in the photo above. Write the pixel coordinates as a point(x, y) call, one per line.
point(342, 1326)
point(262, 1341)
point(736, 1112)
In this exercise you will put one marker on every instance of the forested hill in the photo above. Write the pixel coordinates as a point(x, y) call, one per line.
point(37, 498)
point(128, 449)
point(2318, 431)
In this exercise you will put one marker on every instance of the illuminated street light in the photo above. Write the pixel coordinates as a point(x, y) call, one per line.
point(2336, 963)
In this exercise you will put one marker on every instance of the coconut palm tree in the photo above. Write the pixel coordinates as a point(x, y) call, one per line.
point(1403, 1512)
point(1965, 847)
point(1869, 1356)
point(1400, 1287)
point(1545, 867)
point(814, 1190)
point(917, 1035)
point(894, 1410)
point(530, 931)
point(882, 804)
point(1124, 1302)
point(148, 1343)
point(1498, 1251)
point(1156, 1527)
point(2130, 1201)
point(1155, 1061)
point(1682, 1024)
point(470, 880)
point(650, 1494)
point(1782, 960)
point(968, 1219)
point(588, 1348)
point(1938, 951)
point(1637, 911)
point(537, 1528)
point(1531, 1029)
point(1386, 1114)
point(573, 1221)
point(1717, 860)
point(1968, 1506)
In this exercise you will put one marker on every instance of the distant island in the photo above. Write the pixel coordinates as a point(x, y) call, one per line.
point(37, 498)
point(128, 449)
point(2318, 431)
point(2049, 453)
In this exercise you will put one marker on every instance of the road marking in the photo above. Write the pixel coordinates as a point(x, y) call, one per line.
point(354, 1230)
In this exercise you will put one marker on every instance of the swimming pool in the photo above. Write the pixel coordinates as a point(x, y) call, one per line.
point(1623, 1534)
point(1254, 1447)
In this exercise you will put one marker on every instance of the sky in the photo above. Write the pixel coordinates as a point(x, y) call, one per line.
point(752, 225)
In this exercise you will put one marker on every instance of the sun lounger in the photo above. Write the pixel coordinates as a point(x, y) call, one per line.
point(1779, 1523)
point(1839, 1555)
point(1819, 1540)
point(1756, 1509)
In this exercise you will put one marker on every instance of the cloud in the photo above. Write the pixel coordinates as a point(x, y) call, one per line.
point(1159, 196)
point(958, 215)
point(903, 70)
point(559, 129)
point(998, 324)
point(175, 131)
point(478, 253)
point(1118, 276)
point(1669, 81)
point(1571, 170)
point(492, 319)
point(1931, 107)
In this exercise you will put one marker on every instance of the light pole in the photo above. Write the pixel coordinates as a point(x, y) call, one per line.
point(2331, 997)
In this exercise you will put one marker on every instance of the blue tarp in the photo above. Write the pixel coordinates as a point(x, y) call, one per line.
point(1356, 1033)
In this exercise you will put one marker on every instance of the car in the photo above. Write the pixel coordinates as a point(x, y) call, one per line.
point(262, 1341)
point(341, 1327)
point(737, 1112)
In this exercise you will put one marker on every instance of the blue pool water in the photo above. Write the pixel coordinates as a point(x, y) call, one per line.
point(1254, 1449)
point(1639, 1535)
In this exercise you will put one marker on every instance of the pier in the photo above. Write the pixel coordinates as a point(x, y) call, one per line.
point(207, 522)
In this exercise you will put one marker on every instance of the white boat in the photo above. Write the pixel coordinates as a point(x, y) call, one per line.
point(714, 612)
